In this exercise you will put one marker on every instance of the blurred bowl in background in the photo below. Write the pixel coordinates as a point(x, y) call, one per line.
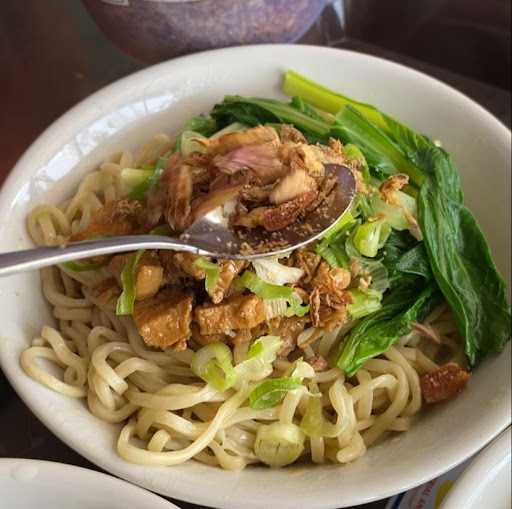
point(156, 30)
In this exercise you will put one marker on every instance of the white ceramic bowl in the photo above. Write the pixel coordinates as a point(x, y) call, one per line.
point(486, 481)
point(162, 98)
point(30, 484)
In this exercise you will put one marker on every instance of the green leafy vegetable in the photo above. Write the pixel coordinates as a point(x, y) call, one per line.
point(457, 251)
point(279, 444)
point(461, 261)
point(271, 392)
point(133, 179)
point(364, 303)
point(396, 215)
point(405, 260)
point(456, 248)
point(144, 179)
point(214, 364)
point(255, 111)
point(324, 98)
point(190, 143)
point(270, 270)
point(378, 148)
point(212, 272)
point(202, 125)
point(380, 330)
point(126, 300)
point(260, 358)
point(266, 291)
point(314, 422)
point(354, 155)
point(369, 237)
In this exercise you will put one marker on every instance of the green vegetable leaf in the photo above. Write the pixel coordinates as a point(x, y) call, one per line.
point(301, 105)
point(369, 237)
point(364, 303)
point(457, 252)
point(126, 300)
point(254, 111)
point(326, 99)
point(204, 125)
point(142, 181)
point(380, 330)
point(134, 180)
point(354, 155)
point(269, 291)
point(405, 259)
point(271, 392)
point(212, 272)
point(259, 360)
point(415, 261)
point(378, 148)
point(214, 364)
point(461, 261)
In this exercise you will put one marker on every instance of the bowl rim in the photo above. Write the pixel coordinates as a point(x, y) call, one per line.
point(67, 119)
point(481, 471)
point(78, 477)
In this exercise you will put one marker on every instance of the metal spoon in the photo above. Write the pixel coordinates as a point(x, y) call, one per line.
point(210, 236)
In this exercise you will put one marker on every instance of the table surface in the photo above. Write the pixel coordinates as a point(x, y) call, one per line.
point(42, 78)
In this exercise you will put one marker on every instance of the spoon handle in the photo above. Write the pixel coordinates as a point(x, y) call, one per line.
point(30, 259)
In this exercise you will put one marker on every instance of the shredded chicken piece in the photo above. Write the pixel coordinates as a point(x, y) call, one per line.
point(323, 315)
point(256, 194)
point(229, 269)
point(309, 262)
point(179, 196)
point(214, 199)
point(327, 185)
point(392, 184)
point(254, 136)
point(288, 329)
point(205, 340)
point(308, 158)
point(364, 283)
point(164, 320)
point(277, 218)
point(288, 133)
point(261, 161)
point(355, 268)
point(388, 190)
point(443, 383)
point(251, 219)
point(149, 276)
point(185, 262)
point(157, 195)
point(329, 299)
point(119, 217)
point(235, 313)
point(333, 281)
point(296, 183)
point(304, 296)
point(332, 153)
point(336, 147)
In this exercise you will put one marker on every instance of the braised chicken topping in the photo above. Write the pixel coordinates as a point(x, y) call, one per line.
point(269, 179)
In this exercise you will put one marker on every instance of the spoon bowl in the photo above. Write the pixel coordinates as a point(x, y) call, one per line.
point(209, 236)
point(212, 233)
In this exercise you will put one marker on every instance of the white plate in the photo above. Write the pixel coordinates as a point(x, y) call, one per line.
point(163, 98)
point(486, 481)
point(30, 484)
